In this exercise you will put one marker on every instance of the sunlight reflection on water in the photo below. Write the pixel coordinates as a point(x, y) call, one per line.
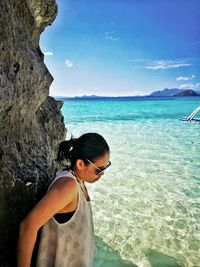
point(150, 197)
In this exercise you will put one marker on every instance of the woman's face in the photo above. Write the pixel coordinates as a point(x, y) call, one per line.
point(89, 172)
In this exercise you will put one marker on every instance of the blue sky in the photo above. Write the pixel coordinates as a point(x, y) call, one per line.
point(123, 47)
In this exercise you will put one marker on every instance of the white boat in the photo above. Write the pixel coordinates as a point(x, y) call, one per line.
point(191, 117)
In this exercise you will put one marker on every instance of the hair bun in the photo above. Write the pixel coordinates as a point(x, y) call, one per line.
point(65, 148)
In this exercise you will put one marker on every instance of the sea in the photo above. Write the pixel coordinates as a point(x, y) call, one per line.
point(146, 207)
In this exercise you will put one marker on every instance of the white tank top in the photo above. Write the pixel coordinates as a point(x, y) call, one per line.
point(69, 244)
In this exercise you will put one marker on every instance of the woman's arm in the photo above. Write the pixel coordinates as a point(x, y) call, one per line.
point(26, 242)
point(62, 193)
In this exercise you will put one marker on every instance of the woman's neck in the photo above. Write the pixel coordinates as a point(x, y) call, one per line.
point(76, 175)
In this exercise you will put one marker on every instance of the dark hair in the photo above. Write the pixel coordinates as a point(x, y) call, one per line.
point(88, 146)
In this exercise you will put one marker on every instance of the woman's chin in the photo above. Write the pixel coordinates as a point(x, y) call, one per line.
point(95, 180)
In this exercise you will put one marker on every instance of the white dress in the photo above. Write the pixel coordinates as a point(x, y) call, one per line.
point(69, 244)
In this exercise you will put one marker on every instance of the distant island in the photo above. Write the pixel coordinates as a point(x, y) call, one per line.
point(174, 92)
point(88, 96)
point(187, 93)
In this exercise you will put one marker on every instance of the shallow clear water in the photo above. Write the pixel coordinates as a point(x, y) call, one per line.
point(147, 205)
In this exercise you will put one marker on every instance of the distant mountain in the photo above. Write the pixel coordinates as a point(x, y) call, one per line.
point(166, 92)
point(187, 93)
point(163, 93)
point(174, 92)
point(88, 96)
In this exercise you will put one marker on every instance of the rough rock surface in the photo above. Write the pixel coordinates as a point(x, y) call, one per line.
point(31, 124)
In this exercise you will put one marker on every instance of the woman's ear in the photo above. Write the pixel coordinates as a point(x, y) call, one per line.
point(80, 164)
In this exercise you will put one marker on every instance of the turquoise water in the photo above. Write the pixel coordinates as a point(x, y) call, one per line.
point(147, 205)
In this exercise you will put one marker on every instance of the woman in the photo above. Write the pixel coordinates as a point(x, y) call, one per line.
point(64, 213)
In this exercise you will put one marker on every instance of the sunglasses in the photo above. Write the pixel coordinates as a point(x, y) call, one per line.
point(99, 170)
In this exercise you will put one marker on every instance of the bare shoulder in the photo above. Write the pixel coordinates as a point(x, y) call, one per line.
point(64, 183)
point(64, 187)
point(62, 193)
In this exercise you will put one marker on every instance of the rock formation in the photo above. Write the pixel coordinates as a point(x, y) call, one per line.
point(31, 124)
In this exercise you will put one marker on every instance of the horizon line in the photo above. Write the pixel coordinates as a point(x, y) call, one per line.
point(113, 96)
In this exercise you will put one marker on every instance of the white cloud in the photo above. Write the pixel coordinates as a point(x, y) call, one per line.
point(69, 63)
point(197, 42)
point(166, 64)
point(109, 33)
point(181, 78)
point(110, 36)
point(48, 53)
point(136, 60)
point(191, 86)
